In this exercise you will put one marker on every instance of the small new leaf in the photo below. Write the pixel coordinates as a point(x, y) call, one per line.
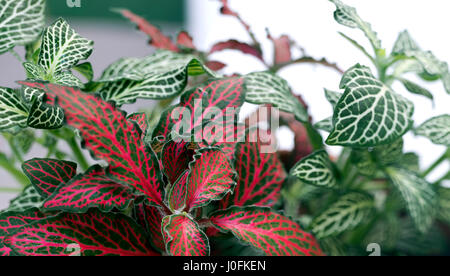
point(316, 169)
point(268, 88)
point(12, 111)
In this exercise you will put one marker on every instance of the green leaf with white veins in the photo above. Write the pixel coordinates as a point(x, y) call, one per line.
point(369, 113)
point(67, 79)
point(45, 116)
point(159, 76)
point(325, 124)
point(419, 195)
point(345, 214)
point(316, 169)
point(348, 16)
point(29, 198)
point(332, 96)
point(436, 129)
point(21, 22)
point(404, 43)
point(415, 88)
point(62, 48)
point(268, 88)
point(12, 111)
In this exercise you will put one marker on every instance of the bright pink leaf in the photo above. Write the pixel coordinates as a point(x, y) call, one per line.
point(236, 45)
point(185, 40)
point(215, 65)
point(93, 234)
point(47, 174)
point(183, 237)
point(92, 189)
point(282, 46)
point(157, 38)
point(274, 234)
point(110, 136)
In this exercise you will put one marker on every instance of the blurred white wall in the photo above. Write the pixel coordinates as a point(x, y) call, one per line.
point(311, 24)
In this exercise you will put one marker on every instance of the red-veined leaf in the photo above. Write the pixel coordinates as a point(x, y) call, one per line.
point(216, 102)
point(210, 178)
point(272, 233)
point(175, 158)
point(282, 48)
point(150, 218)
point(47, 174)
point(236, 45)
point(92, 189)
point(261, 174)
point(5, 251)
point(199, 102)
point(157, 38)
point(93, 233)
point(215, 65)
point(12, 221)
point(177, 194)
point(141, 120)
point(185, 40)
point(110, 136)
point(183, 237)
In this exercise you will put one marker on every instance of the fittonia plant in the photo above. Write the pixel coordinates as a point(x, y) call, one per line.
point(210, 184)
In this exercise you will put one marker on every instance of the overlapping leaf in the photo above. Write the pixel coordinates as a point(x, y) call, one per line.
point(29, 198)
point(62, 48)
point(236, 45)
point(345, 214)
point(93, 233)
point(47, 174)
point(21, 22)
point(159, 76)
point(183, 237)
point(404, 43)
point(415, 88)
point(210, 178)
point(268, 88)
point(270, 232)
point(158, 39)
point(368, 161)
point(150, 218)
point(348, 16)
point(92, 189)
point(12, 111)
point(12, 221)
point(141, 120)
point(369, 113)
point(111, 137)
point(260, 174)
point(419, 195)
point(175, 158)
point(316, 169)
point(436, 129)
point(216, 103)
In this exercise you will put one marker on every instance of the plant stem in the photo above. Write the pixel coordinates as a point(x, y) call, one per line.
point(17, 174)
point(10, 190)
point(445, 177)
point(14, 149)
point(436, 163)
point(73, 144)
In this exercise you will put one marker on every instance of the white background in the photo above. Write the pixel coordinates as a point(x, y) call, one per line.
point(311, 24)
